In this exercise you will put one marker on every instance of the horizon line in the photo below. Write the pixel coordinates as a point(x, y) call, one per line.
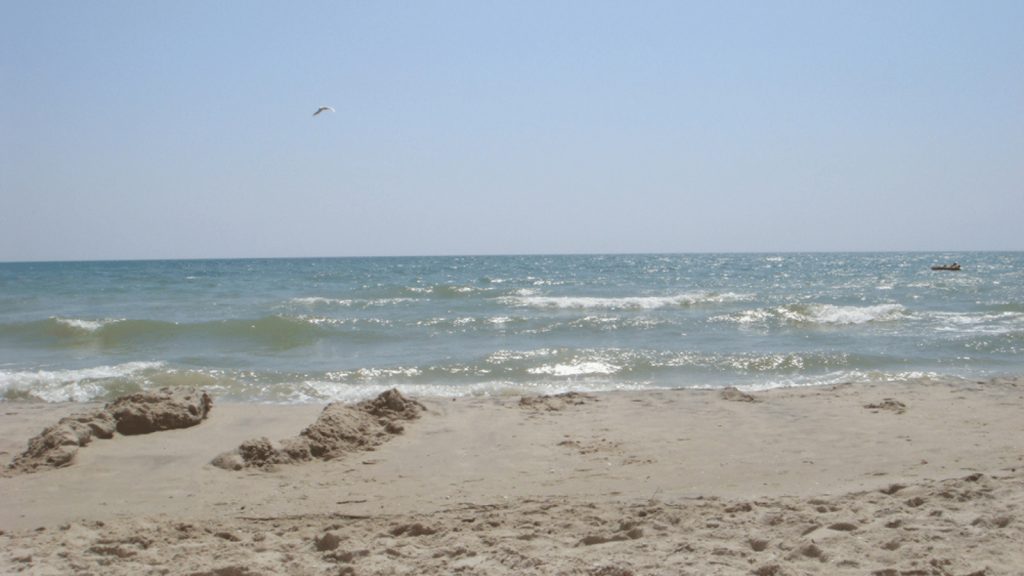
point(504, 255)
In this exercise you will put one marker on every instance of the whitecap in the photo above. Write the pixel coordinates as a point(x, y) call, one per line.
point(577, 369)
point(313, 300)
point(624, 303)
point(79, 385)
point(831, 314)
point(817, 314)
point(502, 356)
point(84, 324)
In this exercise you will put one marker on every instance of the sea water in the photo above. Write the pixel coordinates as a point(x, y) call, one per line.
point(325, 329)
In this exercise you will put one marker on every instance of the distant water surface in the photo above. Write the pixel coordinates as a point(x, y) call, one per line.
point(313, 330)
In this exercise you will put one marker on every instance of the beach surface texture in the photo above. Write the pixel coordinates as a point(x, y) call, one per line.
point(884, 479)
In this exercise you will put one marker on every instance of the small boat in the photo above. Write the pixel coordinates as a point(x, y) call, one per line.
point(954, 266)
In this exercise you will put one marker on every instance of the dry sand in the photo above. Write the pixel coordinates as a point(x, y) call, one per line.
point(927, 480)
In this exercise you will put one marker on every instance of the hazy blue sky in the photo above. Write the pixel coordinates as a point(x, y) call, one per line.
point(185, 129)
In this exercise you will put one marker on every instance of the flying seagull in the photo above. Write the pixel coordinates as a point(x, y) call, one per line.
point(322, 108)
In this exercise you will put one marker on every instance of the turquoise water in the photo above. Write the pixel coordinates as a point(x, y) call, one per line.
point(304, 330)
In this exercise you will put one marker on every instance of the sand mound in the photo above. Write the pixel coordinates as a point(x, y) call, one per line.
point(164, 409)
point(733, 394)
point(57, 445)
point(340, 429)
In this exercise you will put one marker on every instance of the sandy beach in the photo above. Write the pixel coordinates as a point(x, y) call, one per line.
point(887, 479)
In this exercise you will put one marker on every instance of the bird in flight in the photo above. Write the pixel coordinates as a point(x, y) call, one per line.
point(322, 108)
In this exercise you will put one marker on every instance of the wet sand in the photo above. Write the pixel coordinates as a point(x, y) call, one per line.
point(922, 478)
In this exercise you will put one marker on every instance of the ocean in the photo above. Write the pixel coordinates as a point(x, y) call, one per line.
point(325, 329)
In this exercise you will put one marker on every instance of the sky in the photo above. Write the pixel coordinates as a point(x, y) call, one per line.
point(158, 130)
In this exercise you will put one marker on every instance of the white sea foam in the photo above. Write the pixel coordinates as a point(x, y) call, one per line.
point(502, 356)
point(312, 300)
point(320, 301)
point(384, 302)
point(321, 321)
point(831, 314)
point(974, 323)
point(626, 303)
point(444, 321)
point(383, 373)
point(642, 323)
point(766, 362)
point(846, 376)
point(335, 391)
point(745, 317)
point(577, 369)
point(320, 391)
point(70, 385)
point(817, 314)
point(86, 325)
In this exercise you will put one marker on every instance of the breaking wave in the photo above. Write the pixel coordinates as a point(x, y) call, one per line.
point(627, 303)
point(76, 385)
point(818, 314)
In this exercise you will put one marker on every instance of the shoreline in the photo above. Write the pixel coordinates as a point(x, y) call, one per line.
point(618, 453)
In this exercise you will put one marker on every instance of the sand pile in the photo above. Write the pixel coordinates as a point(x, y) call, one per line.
point(340, 429)
point(733, 394)
point(142, 413)
point(164, 409)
